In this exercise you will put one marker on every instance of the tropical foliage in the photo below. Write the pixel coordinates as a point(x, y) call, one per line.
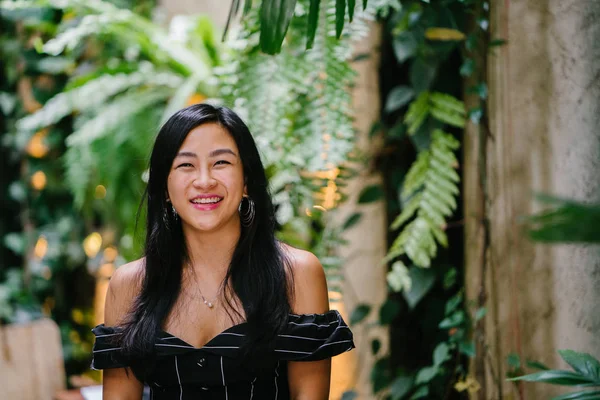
point(431, 49)
point(40, 230)
point(585, 374)
point(86, 141)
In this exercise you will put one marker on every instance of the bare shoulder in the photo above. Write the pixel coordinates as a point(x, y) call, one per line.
point(123, 288)
point(310, 284)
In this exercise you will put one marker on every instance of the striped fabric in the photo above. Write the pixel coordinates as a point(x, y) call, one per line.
point(214, 371)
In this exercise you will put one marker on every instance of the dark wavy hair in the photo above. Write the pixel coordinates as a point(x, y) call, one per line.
point(259, 272)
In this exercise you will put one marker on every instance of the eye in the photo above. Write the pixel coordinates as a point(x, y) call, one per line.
point(184, 165)
point(222, 162)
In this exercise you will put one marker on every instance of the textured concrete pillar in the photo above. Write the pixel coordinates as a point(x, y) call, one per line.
point(364, 275)
point(545, 137)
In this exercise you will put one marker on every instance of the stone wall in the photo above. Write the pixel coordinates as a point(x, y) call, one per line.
point(545, 137)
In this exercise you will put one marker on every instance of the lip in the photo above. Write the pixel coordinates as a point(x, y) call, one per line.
point(206, 207)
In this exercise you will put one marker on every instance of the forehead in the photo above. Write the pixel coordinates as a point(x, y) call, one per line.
point(207, 137)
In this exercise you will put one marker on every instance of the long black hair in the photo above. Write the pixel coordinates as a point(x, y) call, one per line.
point(258, 274)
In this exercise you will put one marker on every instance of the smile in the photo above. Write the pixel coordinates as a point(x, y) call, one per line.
point(207, 200)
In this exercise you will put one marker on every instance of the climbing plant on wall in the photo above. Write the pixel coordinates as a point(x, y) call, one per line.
point(428, 53)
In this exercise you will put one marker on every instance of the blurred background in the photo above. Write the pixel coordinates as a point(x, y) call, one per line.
point(440, 157)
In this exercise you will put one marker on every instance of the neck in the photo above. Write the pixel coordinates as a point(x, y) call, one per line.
point(210, 252)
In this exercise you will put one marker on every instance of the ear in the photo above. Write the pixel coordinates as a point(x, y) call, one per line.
point(245, 190)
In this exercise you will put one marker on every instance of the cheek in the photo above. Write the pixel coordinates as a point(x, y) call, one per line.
point(176, 184)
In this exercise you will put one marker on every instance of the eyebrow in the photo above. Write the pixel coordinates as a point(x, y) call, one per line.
point(213, 153)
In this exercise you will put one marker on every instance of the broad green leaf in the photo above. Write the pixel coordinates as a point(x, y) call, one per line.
point(233, 9)
point(422, 281)
point(404, 46)
point(422, 74)
point(247, 7)
point(497, 42)
point(313, 21)
point(426, 374)
point(450, 278)
point(537, 365)
point(456, 319)
point(475, 115)
point(583, 395)
point(400, 386)
point(453, 303)
point(441, 354)
point(467, 348)
point(583, 363)
point(480, 313)
point(513, 360)
point(351, 7)
point(467, 68)
point(351, 221)
point(388, 311)
point(555, 377)
point(275, 18)
point(444, 34)
point(15, 242)
point(398, 278)
point(421, 392)
point(380, 374)
point(349, 395)
point(567, 221)
point(398, 97)
point(370, 194)
point(340, 14)
point(375, 346)
point(360, 313)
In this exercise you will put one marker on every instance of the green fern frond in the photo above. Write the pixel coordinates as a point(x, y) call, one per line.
point(109, 117)
point(428, 192)
point(93, 94)
point(441, 106)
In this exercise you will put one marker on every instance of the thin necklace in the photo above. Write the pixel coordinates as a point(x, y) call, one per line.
point(209, 304)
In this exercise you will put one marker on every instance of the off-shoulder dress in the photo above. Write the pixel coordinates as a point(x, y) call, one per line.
point(215, 371)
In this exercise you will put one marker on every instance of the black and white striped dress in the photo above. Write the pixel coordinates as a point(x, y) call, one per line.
point(214, 371)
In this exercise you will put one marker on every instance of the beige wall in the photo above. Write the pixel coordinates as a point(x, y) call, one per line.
point(545, 127)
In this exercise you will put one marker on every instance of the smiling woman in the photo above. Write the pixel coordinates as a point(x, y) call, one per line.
point(217, 308)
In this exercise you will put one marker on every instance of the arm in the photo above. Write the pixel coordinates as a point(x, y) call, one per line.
point(118, 383)
point(309, 380)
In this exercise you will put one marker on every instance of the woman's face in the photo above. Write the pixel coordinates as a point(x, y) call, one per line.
point(206, 181)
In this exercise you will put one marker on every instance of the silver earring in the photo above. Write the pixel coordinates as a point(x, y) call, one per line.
point(247, 217)
point(175, 215)
point(166, 218)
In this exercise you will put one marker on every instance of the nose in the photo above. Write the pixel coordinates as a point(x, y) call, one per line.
point(204, 180)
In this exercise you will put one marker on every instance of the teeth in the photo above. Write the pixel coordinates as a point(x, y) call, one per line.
point(207, 200)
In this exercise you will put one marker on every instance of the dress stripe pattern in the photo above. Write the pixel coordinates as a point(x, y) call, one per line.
point(203, 373)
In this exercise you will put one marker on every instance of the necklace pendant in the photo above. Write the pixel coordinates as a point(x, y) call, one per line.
point(208, 303)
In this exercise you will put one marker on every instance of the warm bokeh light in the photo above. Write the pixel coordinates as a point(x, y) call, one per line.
point(46, 272)
point(195, 99)
point(110, 254)
point(100, 192)
point(41, 247)
point(37, 146)
point(77, 316)
point(38, 180)
point(92, 244)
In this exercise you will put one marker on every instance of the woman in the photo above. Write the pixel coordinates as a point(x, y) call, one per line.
point(217, 308)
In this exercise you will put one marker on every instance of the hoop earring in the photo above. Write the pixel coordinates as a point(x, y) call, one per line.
point(165, 218)
point(247, 217)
